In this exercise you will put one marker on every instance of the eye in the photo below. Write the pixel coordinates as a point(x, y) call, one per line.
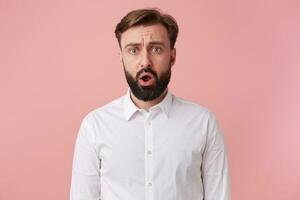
point(156, 50)
point(133, 50)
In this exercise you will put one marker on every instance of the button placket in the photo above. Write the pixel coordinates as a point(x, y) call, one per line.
point(148, 158)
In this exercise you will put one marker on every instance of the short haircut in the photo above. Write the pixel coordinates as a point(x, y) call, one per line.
point(148, 17)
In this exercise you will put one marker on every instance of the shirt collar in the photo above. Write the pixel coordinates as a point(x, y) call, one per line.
point(130, 108)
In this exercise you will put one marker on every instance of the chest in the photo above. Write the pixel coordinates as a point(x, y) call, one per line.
point(126, 148)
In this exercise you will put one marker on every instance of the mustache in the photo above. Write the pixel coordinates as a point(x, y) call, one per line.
point(148, 70)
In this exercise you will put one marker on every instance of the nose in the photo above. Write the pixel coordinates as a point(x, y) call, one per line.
point(145, 60)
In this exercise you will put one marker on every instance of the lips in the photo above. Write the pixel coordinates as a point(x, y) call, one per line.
point(146, 76)
point(146, 79)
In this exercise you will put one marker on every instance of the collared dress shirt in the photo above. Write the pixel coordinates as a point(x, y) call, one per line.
point(174, 151)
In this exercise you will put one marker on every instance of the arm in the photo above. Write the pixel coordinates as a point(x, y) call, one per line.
point(215, 172)
point(85, 184)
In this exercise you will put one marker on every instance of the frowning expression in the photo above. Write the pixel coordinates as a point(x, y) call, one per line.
point(147, 56)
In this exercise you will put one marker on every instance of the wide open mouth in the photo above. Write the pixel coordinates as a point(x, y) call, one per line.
point(146, 76)
point(146, 79)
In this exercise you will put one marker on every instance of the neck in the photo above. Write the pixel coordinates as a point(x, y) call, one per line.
point(146, 105)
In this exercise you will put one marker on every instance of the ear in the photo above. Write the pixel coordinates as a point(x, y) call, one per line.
point(173, 56)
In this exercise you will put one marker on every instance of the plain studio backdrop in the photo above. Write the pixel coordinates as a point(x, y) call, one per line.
point(59, 60)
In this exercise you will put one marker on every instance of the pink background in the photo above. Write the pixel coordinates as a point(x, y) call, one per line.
point(59, 60)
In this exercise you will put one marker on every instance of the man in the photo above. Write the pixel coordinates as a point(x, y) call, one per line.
point(149, 144)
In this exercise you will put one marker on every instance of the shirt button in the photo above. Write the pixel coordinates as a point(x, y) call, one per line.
point(149, 152)
point(149, 184)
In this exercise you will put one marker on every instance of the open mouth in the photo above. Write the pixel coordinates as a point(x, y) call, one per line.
point(146, 79)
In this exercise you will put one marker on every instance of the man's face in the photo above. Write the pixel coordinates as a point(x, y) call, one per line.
point(147, 60)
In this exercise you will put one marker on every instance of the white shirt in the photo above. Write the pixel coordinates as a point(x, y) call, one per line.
point(175, 151)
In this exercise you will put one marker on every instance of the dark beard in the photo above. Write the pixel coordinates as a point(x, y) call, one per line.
point(148, 93)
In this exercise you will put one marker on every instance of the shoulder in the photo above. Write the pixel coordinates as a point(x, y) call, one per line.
point(113, 108)
point(190, 107)
point(194, 111)
point(90, 124)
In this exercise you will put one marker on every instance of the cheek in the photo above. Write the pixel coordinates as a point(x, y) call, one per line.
point(129, 66)
point(162, 64)
point(130, 61)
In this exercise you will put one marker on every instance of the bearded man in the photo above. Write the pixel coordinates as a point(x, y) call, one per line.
point(149, 144)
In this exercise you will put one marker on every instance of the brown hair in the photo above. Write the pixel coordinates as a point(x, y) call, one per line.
point(148, 17)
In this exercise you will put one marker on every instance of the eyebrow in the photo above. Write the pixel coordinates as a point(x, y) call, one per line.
point(151, 43)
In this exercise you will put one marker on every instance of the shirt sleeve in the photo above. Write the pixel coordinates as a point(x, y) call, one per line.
point(215, 172)
point(85, 184)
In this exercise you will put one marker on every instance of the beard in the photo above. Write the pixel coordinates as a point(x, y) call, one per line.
point(148, 93)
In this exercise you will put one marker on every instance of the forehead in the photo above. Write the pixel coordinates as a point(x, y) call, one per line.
point(140, 34)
